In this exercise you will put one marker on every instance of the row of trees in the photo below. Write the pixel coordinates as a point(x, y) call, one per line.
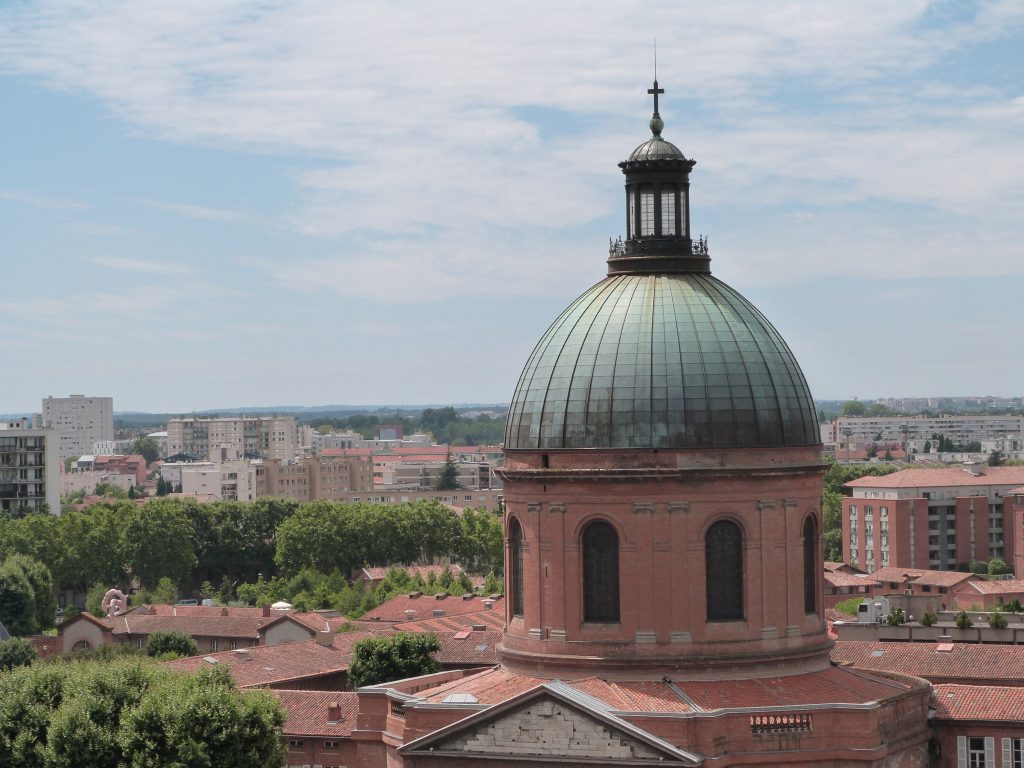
point(132, 712)
point(445, 424)
point(229, 543)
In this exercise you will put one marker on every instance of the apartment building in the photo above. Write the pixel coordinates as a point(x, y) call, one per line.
point(935, 518)
point(29, 467)
point(264, 437)
point(851, 433)
point(240, 480)
point(324, 477)
point(80, 422)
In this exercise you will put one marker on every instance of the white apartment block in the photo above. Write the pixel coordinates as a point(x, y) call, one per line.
point(80, 422)
point(29, 467)
point(263, 437)
point(855, 431)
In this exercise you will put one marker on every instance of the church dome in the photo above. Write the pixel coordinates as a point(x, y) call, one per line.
point(661, 361)
point(655, 148)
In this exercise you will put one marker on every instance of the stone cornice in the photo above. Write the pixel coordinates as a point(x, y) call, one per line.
point(655, 473)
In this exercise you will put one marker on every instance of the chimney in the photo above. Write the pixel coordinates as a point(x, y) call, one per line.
point(488, 605)
point(438, 613)
point(333, 712)
point(266, 610)
point(325, 638)
point(414, 595)
point(440, 595)
point(224, 611)
point(409, 615)
point(479, 627)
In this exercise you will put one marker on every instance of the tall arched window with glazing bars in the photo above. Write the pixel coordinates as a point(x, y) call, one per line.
point(515, 536)
point(600, 573)
point(723, 552)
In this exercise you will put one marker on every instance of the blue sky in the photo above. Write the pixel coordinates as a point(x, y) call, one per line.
point(206, 204)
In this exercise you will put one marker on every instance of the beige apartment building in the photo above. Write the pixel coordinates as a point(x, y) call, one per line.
point(252, 437)
point(29, 467)
point(80, 422)
point(331, 478)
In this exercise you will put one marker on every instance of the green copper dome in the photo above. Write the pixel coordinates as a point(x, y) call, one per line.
point(661, 361)
point(656, 148)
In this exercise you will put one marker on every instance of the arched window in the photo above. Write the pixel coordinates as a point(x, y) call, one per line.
point(723, 553)
point(811, 571)
point(600, 573)
point(515, 536)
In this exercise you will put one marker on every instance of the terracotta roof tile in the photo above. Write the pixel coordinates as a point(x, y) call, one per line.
point(476, 649)
point(831, 686)
point(243, 627)
point(922, 576)
point(308, 712)
point(831, 614)
point(840, 579)
point(979, 702)
point(274, 664)
point(966, 661)
point(490, 619)
point(940, 477)
point(423, 607)
point(490, 687)
point(1000, 587)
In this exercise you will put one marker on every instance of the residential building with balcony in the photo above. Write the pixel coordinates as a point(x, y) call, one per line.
point(80, 421)
point(29, 467)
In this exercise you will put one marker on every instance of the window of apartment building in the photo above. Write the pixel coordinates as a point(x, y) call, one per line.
point(975, 752)
point(883, 511)
point(295, 743)
point(214, 645)
point(853, 512)
point(330, 745)
point(868, 510)
point(1015, 749)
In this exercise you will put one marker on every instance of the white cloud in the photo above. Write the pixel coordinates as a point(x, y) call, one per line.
point(125, 264)
point(423, 159)
point(41, 201)
point(190, 211)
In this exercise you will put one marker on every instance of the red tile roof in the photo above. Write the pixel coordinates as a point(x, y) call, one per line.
point(921, 576)
point(979, 702)
point(264, 665)
point(308, 712)
point(831, 614)
point(423, 607)
point(242, 627)
point(966, 661)
point(841, 579)
point(940, 477)
point(492, 619)
point(998, 587)
point(475, 649)
point(424, 571)
point(834, 685)
point(831, 686)
point(161, 609)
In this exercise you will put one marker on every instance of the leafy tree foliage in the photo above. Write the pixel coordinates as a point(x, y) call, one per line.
point(129, 712)
point(41, 581)
point(165, 592)
point(158, 542)
point(996, 458)
point(448, 480)
point(26, 596)
point(929, 619)
point(963, 621)
point(996, 620)
point(16, 652)
point(979, 566)
point(148, 448)
point(997, 567)
point(851, 606)
point(853, 408)
point(383, 659)
point(173, 642)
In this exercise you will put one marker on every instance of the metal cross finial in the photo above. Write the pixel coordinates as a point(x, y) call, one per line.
point(655, 91)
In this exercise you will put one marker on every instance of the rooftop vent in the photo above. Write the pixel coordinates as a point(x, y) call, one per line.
point(479, 627)
point(488, 605)
point(242, 654)
point(469, 596)
point(440, 595)
point(210, 660)
point(414, 595)
point(325, 638)
point(409, 614)
point(438, 613)
point(333, 712)
point(974, 467)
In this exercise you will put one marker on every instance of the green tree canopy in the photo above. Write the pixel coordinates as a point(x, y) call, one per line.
point(17, 601)
point(171, 642)
point(129, 712)
point(148, 448)
point(158, 542)
point(16, 652)
point(395, 657)
point(448, 480)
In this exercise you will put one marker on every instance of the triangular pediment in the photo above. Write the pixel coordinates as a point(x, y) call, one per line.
point(544, 726)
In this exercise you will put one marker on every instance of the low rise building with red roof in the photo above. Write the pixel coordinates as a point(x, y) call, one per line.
point(415, 606)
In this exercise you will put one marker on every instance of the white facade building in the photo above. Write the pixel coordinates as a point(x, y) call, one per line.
point(80, 421)
point(29, 467)
point(266, 437)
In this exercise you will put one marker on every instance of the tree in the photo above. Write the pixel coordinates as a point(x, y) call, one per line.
point(165, 593)
point(996, 458)
point(448, 480)
point(148, 448)
point(853, 408)
point(979, 566)
point(996, 620)
point(157, 541)
point(929, 619)
point(383, 659)
point(997, 567)
point(16, 652)
point(173, 642)
point(128, 711)
point(963, 621)
point(895, 617)
point(41, 581)
point(94, 598)
point(17, 601)
point(927, 446)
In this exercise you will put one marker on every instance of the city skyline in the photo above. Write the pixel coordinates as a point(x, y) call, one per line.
point(216, 204)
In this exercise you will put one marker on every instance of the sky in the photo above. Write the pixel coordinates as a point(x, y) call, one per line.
point(208, 204)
